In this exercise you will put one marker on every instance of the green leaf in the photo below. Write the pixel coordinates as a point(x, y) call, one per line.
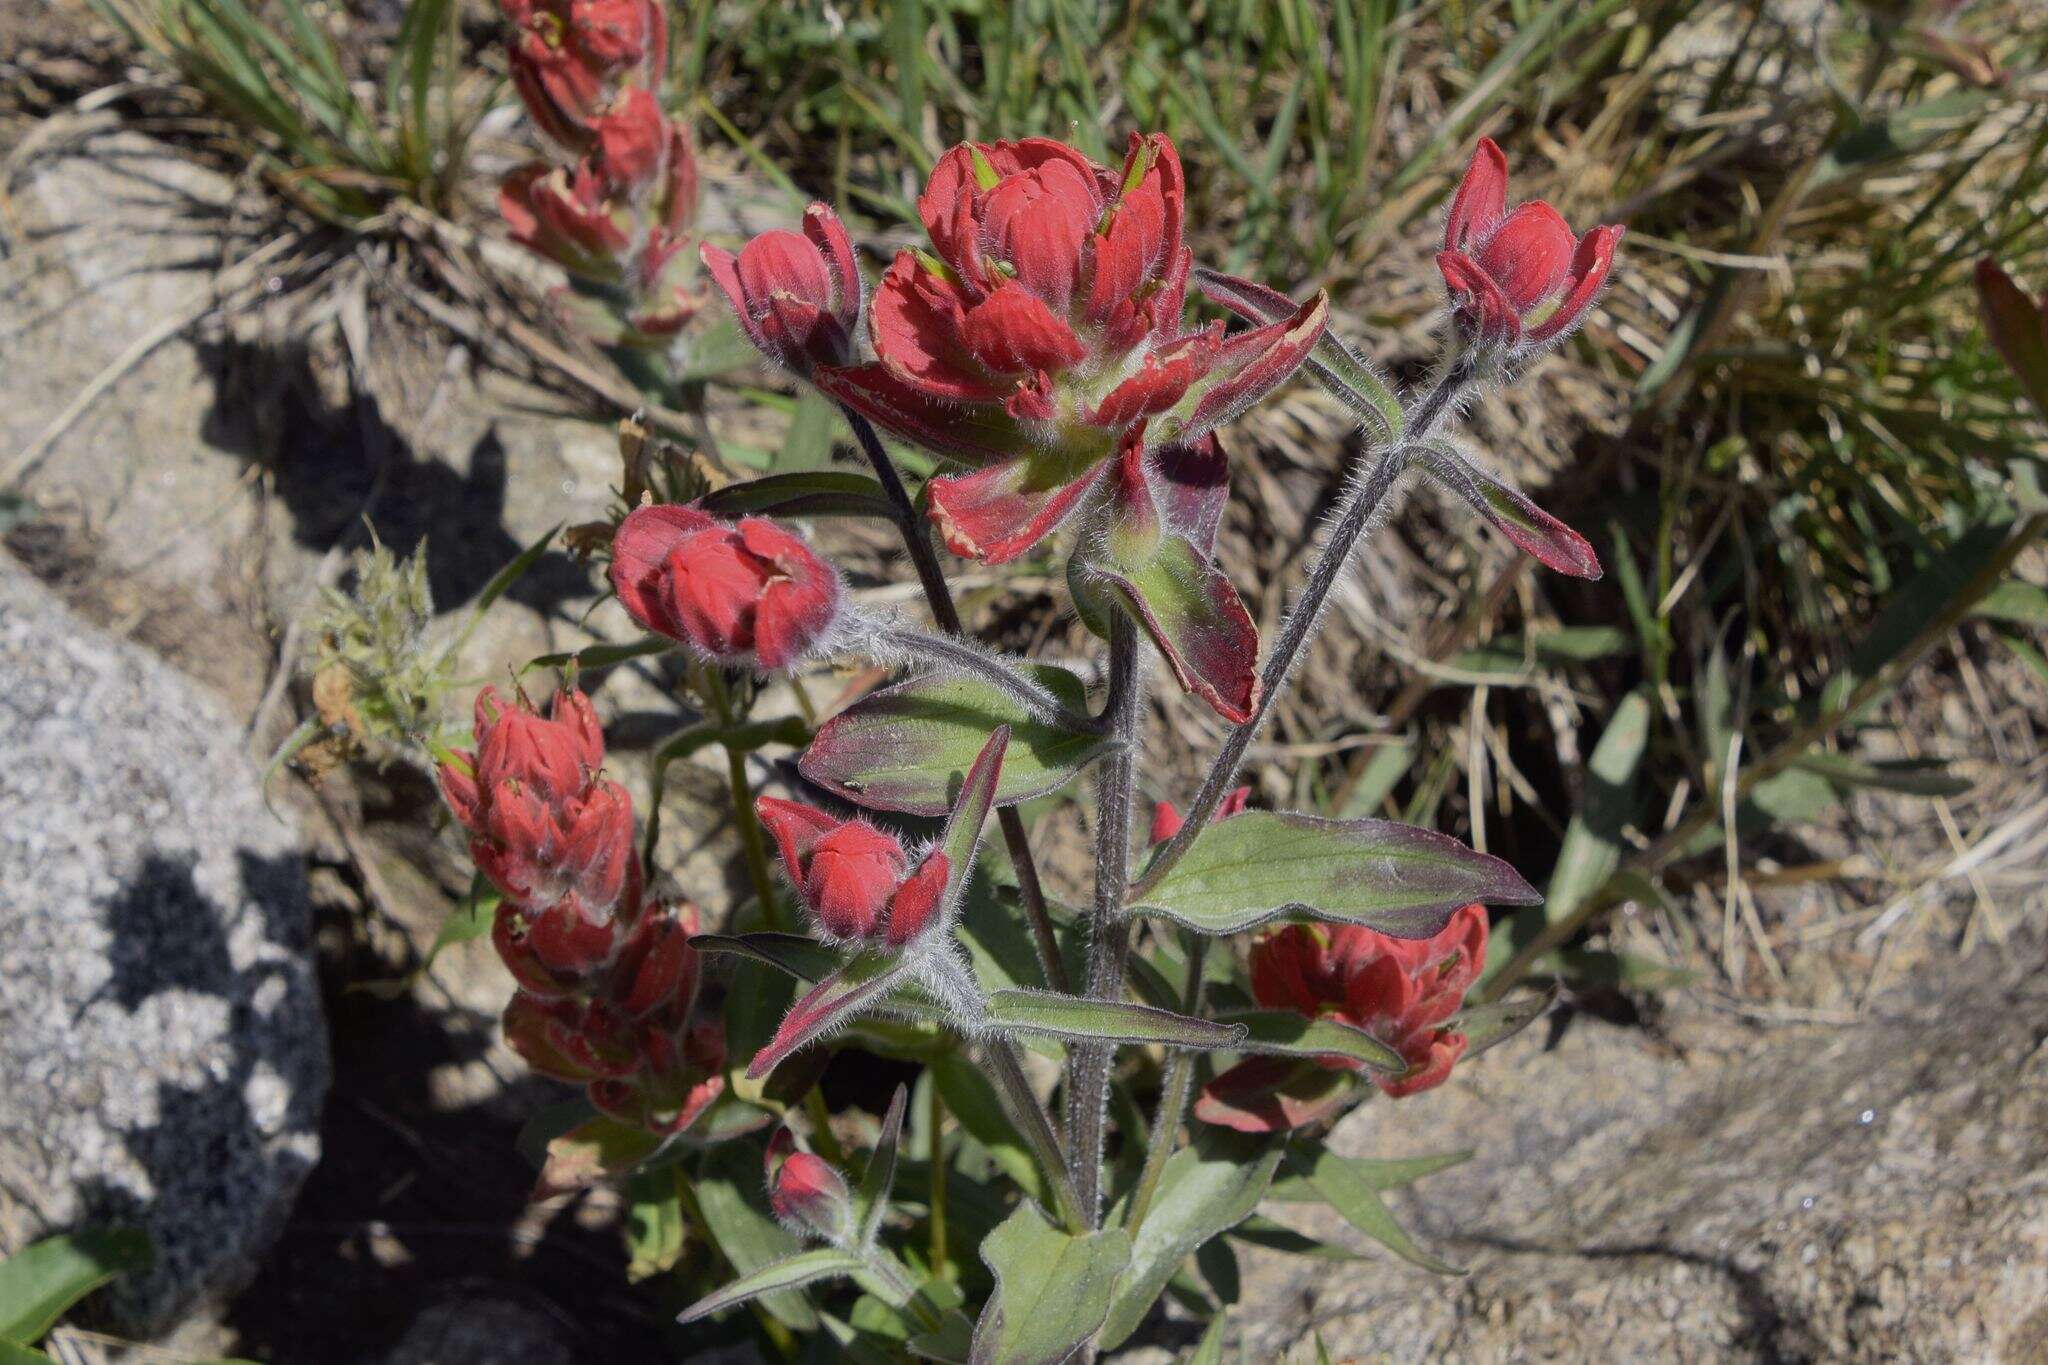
point(471, 920)
point(717, 348)
point(804, 958)
point(1355, 1199)
point(1604, 967)
point(907, 747)
point(1195, 618)
point(1287, 1034)
point(655, 1230)
point(1908, 776)
point(794, 1272)
point(601, 1148)
point(1260, 1231)
point(871, 1201)
point(1512, 655)
point(1209, 1350)
point(39, 1283)
point(808, 445)
point(502, 581)
point(1052, 1289)
point(814, 493)
point(1593, 841)
point(1388, 764)
point(1920, 600)
point(1335, 365)
point(1382, 1173)
point(735, 1212)
point(1263, 865)
point(2020, 603)
point(1205, 1190)
point(1487, 1025)
point(593, 657)
point(1110, 1021)
point(1898, 133)
point(972, 1101)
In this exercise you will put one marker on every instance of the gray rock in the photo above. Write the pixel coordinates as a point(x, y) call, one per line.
point(1869, 1192)
point(163, 1054)
point(480, 1330)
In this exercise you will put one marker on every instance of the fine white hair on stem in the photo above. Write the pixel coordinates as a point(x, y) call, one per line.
point(887, 641)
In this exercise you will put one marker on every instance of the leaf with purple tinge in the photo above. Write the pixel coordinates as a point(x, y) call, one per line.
point(1075, 1018)
point(1485, 1026)
point(1511, 513)
point(903, 748)
point(1197, 620)
point(961, 837)
point(828, 1006)
point(1335, 365)
point(1265, 865)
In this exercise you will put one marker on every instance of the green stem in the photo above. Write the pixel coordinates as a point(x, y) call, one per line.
point(752, 844)
point(935, 1116)
point(1173, 1100)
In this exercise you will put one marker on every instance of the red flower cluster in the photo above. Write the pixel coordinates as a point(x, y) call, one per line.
point(617, 218)
point(855, 879)
point(1401, 991)
point(1501, 268)
point(1039, 338)
point(606, 982)
point(805, 1193)
point(751, 591)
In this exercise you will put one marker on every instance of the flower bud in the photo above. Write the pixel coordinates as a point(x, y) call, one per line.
point(1501, 267)
point(855, 879)
point(1166, 821)
point(737, 592)
point(806, 1194)
point(557, 952)
point(797, 295)
point(572, 56)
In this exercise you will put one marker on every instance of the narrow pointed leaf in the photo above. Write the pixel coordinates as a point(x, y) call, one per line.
point(806, 1267)
point(908, 747)
point(1197, 620)
point(1052, 1289)
point(1382, 1173)
point(1335, 365)
point(871, 1201)
point(1206, 1190)
point(1111, 1021)
point(2014, 322)
point(1287, 1034)
point(1484, 1026)
point(828, 1006)
point(803, 958)
point(1354, 1197)
point(38, 1283)
point(601, 1148)
point(810, 493)
point(1264, 1232)
point(1209, 1350)
point(1263, 865)
point(735, 1208)
point(962, 835)
point(1510, 512)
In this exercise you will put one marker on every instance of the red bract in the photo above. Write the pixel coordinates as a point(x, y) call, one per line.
point(1166, 820)
point(543, 826)
point(1501, 267)
point(745, 591)
point(1043, 333)
point(796, 294)
point(1401, 991)
point(571, 56)
point(805, 1192)
point(855, 879)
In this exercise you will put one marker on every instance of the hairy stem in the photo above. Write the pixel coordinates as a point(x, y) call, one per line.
point(1173, 1099)
point(1354, 516)
point(919, 546)
point(1109, 932)
point(957, 653)
point(752, 845)
point(1006, 1068)
point(935, 1116)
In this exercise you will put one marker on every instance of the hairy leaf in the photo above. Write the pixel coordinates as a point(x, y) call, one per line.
point(794, 1272)
point(907, 747)
point(1263, 865)
point(735, 1210)
point(1356, 1199)
point(871, 1201)
point(1509, 511)
point(829, 1006)
point(1052, 1289)
point(1197, 621)
point(812, 493)
point(1287, 1034)
point(1110, 1021)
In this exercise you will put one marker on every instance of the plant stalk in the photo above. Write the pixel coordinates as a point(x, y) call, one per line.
point(1173, 1100)
point(1110, 935)
point(752, 845)
point(919, 546)
point(1006, 1069)
point(1354, 518)
point(935, 1117)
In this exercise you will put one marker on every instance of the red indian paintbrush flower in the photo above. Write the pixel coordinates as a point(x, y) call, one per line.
point(806, 1194)
point(746, 591)
point(1042, 333)
point(1401, 991)
point(1501, 267)
point(543, 826)
point(797, 294)
point(572, 56)
point(856, 879)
